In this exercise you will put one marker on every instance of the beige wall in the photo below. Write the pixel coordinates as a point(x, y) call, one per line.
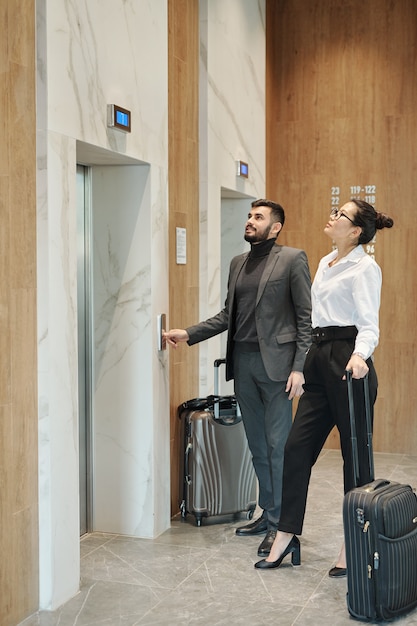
point(18, 378)
point(341, 112)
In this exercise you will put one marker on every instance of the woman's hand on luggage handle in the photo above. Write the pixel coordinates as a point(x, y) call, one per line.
point(357, 365)
point(175, 336)
point(295, 384)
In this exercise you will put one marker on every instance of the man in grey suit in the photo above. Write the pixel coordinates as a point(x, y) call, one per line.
point(267, 314)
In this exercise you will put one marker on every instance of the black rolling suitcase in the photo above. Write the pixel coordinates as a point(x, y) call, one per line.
point(380, 526)
point(217, 475)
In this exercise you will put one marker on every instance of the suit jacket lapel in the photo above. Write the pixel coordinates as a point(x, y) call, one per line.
point(270, 264)
point(234, 276)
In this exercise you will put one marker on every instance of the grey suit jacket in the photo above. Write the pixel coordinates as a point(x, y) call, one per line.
point(283, 313)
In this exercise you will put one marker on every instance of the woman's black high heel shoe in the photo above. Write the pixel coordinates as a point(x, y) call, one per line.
point(293, 548)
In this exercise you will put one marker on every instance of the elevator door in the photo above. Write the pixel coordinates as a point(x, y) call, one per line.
point(84, 346)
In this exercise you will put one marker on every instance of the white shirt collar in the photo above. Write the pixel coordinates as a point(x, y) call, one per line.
point(354, 255)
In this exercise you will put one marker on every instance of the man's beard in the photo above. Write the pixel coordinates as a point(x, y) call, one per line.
point(255, 237)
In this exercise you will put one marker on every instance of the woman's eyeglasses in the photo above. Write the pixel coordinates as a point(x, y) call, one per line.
point(336, 215)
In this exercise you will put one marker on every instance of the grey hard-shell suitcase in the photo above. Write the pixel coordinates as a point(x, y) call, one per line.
point(217, 474)
point(380, 526)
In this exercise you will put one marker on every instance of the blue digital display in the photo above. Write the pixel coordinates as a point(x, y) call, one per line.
point(118, 117)
point(122, 118)
point(242, 169)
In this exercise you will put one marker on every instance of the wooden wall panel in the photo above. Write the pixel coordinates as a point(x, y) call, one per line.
point(341, 112)
point(19, 560)
point(183, 174)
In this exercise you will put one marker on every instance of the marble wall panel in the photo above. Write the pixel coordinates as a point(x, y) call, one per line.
point(91, 54)
point(58, 382)
point(232, 109)
point(125, 414)
point(101, 52)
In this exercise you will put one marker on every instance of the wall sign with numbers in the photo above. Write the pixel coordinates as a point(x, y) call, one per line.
point(359, 192)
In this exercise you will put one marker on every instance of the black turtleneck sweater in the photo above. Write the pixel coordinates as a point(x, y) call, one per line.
point(246, 291)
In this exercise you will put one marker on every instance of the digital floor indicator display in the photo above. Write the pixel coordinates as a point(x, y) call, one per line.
point(119, 118)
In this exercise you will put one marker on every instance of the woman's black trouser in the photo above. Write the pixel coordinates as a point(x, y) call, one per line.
point(323, 405)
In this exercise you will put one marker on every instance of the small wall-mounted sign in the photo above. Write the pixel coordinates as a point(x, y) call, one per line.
point(181, 244)
point(119, 118)
point(242, 169)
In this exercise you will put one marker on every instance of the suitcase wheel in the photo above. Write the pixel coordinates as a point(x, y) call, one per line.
point(183, 510)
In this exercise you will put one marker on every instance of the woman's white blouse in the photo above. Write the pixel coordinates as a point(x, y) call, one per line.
point(348, 294)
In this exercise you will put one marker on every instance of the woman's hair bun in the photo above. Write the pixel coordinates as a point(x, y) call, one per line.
point(383, 221)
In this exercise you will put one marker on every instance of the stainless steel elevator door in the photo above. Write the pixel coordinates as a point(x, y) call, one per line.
point(84, 346)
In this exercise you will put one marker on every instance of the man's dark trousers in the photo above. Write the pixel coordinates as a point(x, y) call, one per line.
point(267, 417)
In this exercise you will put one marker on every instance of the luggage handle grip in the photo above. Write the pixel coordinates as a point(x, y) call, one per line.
point(377, 484)
point(217, 364)
point(186, 465)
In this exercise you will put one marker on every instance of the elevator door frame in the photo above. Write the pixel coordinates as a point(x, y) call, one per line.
point(85, 375)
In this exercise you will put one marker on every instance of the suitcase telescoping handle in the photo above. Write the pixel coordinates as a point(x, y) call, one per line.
point(353, 427)
point(217, 364)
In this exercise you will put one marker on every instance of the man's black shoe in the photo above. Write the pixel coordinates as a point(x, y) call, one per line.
point(257, 527)
point(265, 547)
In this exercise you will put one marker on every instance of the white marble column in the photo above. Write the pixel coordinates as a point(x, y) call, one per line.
point(90, 54)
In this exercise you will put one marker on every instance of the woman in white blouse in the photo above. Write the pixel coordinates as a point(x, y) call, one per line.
point(345, 307)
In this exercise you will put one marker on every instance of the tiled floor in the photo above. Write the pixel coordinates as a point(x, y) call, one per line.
point(205, 575)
